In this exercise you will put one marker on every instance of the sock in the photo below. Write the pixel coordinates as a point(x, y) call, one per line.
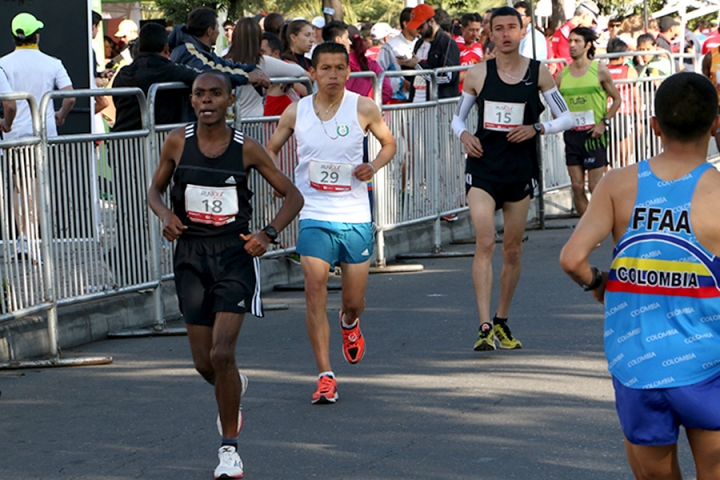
point(327, 374)
point(497, 319)
point(229, 442)
point(346, 325)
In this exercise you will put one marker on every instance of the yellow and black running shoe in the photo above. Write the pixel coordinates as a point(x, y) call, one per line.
point(486, 338)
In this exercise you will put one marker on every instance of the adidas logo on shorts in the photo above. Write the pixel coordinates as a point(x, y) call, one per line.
point(365, 252)
point(231, 180)
point(241, 304)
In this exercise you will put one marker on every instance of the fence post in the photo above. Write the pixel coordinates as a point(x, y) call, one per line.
point(41, 154)
point(437, 228)
point(151, 163)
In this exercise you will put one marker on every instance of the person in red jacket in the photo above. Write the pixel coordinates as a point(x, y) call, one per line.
point(585, 14)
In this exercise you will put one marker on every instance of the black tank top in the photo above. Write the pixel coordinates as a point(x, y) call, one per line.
point(503, 161)
point(211, 195)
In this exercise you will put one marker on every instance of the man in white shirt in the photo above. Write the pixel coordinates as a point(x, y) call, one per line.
point(526, 44)
point(399, 46)
point(30, 70)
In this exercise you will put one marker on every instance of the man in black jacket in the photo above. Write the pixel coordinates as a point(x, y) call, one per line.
point(437, 50)
point(192, 45)
point(151, 65)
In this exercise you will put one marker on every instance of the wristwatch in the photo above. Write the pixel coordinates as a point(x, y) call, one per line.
point(606, 121)
point(271, 233)
point(596, 281)
point(538, 128)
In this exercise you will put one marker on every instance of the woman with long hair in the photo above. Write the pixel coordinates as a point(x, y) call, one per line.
point(360, 63)
point(245, 48)
point(297, 41)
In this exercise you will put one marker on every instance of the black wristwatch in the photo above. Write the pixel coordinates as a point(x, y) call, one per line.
point(596, 281)
point(271, 233)
point(606, 121)
point(538, 128)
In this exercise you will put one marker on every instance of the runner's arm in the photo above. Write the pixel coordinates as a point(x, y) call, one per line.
point(373, 121)
point(171, 150)
point(285, 128)
point(563, 120)
point(9, 109)
point(608, 85)
point(255, 156)
point(474, 82)
point(593, 228)
point(706, 63)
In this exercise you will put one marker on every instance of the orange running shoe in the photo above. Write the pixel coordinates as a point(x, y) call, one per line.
point(326, 391)
point(353, 342)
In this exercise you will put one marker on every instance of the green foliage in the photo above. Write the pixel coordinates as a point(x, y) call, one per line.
point(354, 10)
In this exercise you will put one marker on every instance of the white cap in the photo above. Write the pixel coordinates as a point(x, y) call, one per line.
point(382, 30)
point(318, 22)
point(126, 27)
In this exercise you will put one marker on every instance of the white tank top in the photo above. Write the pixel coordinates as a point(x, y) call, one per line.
point(328, 152)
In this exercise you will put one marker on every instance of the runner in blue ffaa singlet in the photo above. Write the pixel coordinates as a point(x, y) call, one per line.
point(662, 293)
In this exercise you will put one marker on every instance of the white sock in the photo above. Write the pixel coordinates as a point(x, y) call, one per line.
point(346, 325)
point(326, 374)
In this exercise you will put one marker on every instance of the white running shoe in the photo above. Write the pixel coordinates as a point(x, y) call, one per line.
point(230, 464)
point(243, 387)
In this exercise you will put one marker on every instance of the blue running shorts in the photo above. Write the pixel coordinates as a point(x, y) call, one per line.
point(335, 242)
point(652, 417)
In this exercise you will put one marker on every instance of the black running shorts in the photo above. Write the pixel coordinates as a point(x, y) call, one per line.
point(216, 275)
point(581, 149)
point(500, 192)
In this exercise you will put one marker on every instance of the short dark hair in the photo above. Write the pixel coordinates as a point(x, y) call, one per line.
point(273, 41)
point(521, 4)
point(273, 23)
point(443, 19)
point(96, 18)
point(199, 20)
point(686, 106)
point(153, 38)
point(646, 38)
point(505, 12)
point(470, 17)
point(589, 37)
point(333, 29)
point(405, 16)
point(228, 23)
point(31, 39)
point(615, 45)
point(225, 79)
point(328, 47)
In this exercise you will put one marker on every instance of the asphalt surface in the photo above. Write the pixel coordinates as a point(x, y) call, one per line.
point(421, 405)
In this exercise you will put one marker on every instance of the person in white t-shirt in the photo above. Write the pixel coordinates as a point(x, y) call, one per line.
point(30, 70)
point(246, 47)
point(9, 106)
point(399, 47)
point(335, 222)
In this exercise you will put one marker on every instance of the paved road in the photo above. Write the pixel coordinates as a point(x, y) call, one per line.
point(421, 405)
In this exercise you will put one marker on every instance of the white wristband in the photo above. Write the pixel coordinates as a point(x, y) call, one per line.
point(373, 167)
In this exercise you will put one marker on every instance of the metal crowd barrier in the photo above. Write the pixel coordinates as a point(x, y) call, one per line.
point(24, 288)
point(95, 236)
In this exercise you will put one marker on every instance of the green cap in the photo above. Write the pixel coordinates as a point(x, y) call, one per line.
point(25, 24)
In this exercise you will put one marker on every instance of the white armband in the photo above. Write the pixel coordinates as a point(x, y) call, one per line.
point(461, 112)
point(563, 119)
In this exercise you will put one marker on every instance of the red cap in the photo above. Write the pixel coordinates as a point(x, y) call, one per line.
point(420, 15)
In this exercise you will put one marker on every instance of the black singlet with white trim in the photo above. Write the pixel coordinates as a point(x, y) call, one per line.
point(211, 195)
point(502, 161)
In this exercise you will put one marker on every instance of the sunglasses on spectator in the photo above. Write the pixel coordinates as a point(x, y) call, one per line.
point(613, 25)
